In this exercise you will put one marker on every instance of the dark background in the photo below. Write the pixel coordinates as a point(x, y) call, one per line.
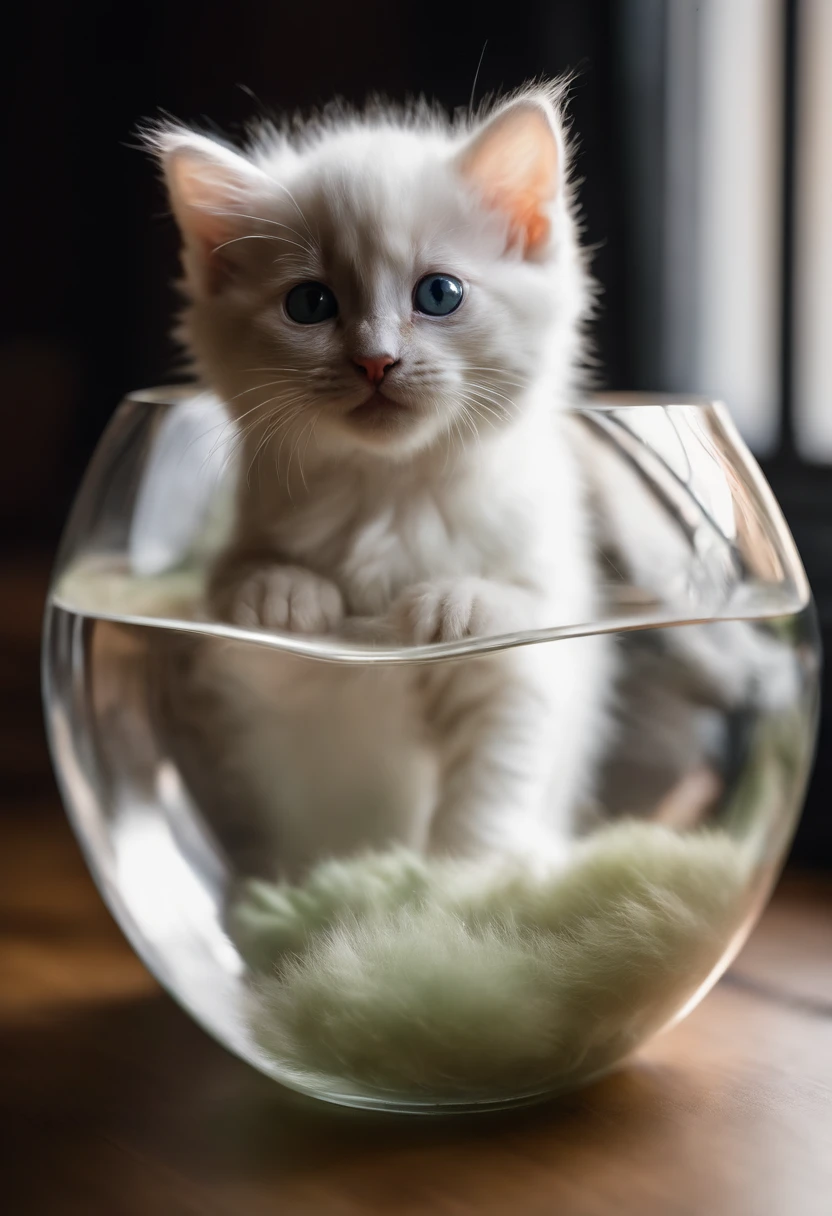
point(89, 252)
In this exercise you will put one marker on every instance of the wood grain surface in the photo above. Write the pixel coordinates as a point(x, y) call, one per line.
point(112, 1101)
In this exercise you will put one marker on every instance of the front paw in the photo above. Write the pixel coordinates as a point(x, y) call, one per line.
point(282, 597)
point(451, 610)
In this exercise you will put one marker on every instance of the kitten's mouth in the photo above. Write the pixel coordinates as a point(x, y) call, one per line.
point(379, 410)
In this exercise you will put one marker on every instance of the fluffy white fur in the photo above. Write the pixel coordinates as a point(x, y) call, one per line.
point(426, 980)
point(444, 502)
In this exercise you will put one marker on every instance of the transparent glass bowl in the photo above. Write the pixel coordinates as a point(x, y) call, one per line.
point(189, 752)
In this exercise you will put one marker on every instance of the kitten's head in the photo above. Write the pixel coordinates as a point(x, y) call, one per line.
point(381, 282)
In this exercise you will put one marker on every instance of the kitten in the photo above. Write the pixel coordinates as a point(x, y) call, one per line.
point(391, 307)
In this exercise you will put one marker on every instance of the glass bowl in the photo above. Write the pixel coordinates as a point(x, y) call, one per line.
point(238, 793)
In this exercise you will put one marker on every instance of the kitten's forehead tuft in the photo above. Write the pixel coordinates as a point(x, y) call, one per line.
point(388, 160)
point(386, 199)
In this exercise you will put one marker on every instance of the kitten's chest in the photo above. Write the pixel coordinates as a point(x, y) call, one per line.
point(407, 543)
point(374, 549)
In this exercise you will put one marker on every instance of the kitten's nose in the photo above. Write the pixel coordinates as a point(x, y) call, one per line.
point(374, 366)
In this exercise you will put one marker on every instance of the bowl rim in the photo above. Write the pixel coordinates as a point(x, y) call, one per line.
point(363, 648)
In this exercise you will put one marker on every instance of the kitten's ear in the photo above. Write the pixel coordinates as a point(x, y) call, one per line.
point(211, 190)
point(515, 162)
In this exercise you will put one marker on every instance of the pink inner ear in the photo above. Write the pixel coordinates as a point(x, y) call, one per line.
point(515, 165)
point(528, 221)
point(206, 199)
point(201, 194)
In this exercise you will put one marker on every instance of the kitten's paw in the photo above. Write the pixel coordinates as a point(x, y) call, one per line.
point(465, 608)
point(284, 597)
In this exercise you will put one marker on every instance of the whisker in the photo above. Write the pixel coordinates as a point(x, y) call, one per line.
point(458, 433)
point(259, 236)
point(291, 455)
point(494, 368)
point(297, 370)
point(272, 424)
point(296, 414)
point(492, 408)
point(280, 397)
point(493, 395)
point(300, 454)
point(494, 392)
point(478, 408)
point(264, 441)
point(261, 219)
point(256, 387)
point(238, 432)
point(466, 417)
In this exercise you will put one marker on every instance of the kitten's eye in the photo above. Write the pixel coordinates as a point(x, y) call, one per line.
point(310, 303)
point(438, 295)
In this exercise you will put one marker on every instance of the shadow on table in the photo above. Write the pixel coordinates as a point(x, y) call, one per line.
point(129, 1105)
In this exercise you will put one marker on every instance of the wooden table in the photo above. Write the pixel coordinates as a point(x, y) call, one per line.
point(113, 1102)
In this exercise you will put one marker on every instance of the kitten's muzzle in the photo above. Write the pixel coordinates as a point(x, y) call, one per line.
point(379, 409)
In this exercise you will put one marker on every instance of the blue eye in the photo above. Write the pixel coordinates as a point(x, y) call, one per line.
point(438, 295)
point(311, 303)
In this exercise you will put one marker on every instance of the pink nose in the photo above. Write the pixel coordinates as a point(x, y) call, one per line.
point(374, 366)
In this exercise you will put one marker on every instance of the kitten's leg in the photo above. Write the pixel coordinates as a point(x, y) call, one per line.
point(493, 725)
point(517, 731)
point(521, 735)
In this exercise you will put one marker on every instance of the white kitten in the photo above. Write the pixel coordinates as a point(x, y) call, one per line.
point(391, 307)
